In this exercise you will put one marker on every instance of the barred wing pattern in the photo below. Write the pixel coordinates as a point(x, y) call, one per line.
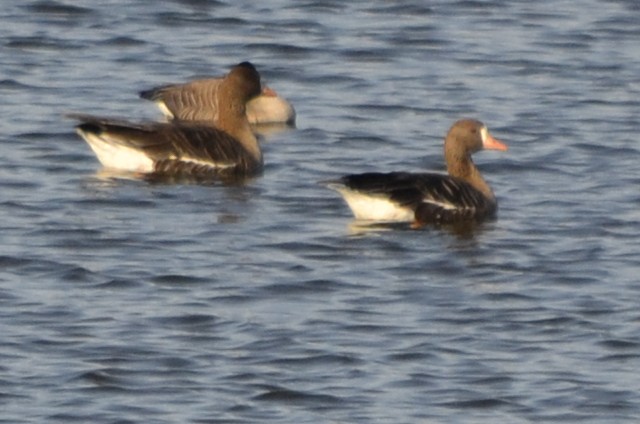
point(194, 101)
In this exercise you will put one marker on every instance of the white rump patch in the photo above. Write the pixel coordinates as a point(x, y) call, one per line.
point(374, 208)
point(115, 155)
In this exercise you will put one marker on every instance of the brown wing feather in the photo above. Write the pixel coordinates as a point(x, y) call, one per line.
point(194, 101)
point(201, 149)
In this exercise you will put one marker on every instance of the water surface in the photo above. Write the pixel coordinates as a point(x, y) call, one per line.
point(125, 301)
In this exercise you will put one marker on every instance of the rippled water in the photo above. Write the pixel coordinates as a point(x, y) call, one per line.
point(124, 301)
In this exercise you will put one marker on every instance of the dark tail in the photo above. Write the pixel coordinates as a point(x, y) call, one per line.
point(153, 93)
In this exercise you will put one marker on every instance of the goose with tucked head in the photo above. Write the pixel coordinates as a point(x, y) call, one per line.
point(201, 100)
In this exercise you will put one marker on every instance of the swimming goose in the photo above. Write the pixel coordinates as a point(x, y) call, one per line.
point(428, 198)
point(199, 100)
point(181, 147)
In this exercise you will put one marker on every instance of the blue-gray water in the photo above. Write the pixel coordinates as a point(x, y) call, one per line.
point(123, 301)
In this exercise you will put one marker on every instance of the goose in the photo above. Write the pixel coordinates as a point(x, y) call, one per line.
point(200, 100)
point(428, 198)
point(193, 148)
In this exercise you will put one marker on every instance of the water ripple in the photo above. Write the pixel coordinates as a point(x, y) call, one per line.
point(127, 300)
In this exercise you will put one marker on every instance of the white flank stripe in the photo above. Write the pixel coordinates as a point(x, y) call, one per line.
point(209, 164)
point(444, 205)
